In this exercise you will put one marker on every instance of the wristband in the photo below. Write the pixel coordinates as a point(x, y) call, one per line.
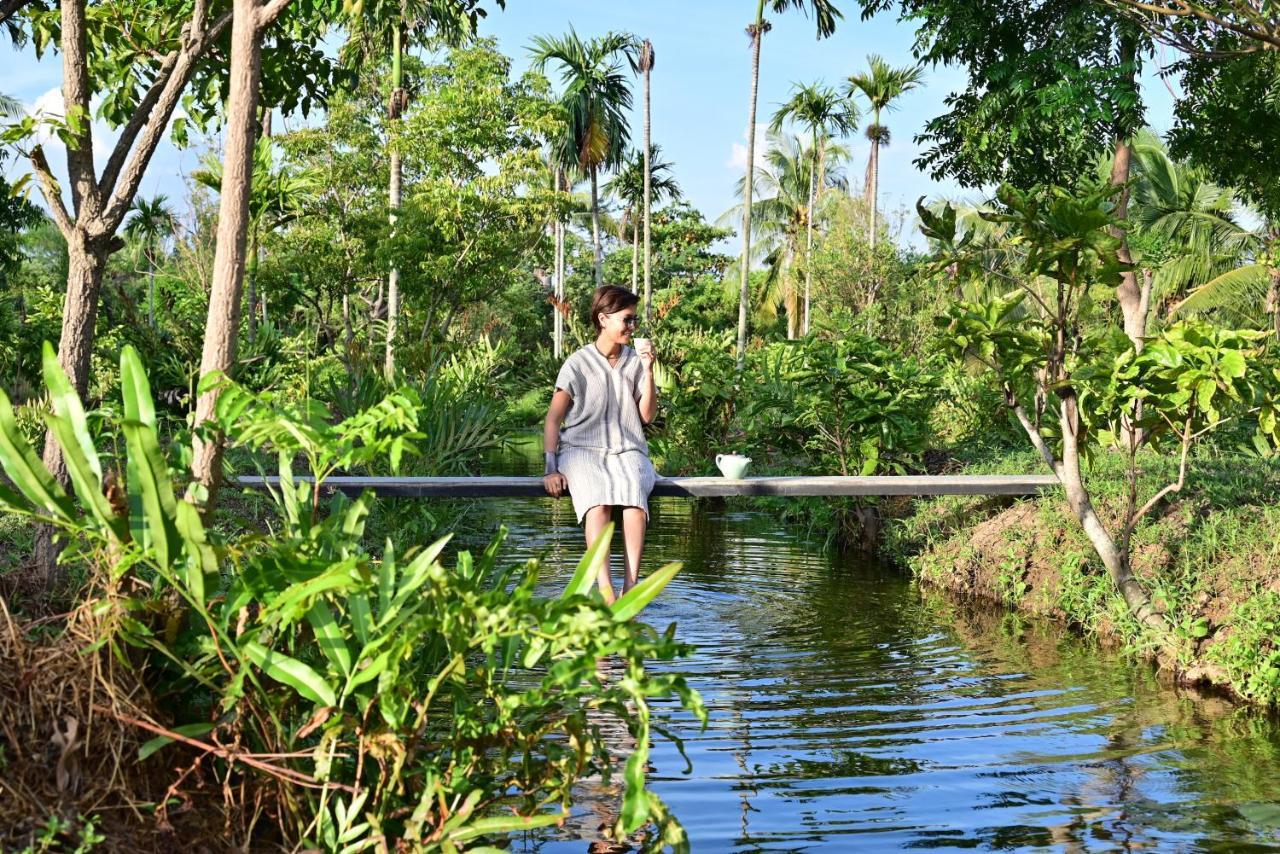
point(553, 465)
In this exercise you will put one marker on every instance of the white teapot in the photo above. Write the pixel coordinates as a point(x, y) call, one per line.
point(732, 466)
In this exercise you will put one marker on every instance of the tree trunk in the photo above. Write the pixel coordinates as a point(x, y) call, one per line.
point(85, 265)
point(648, 282)
point(393, 203)
point(595, 227)
point(635, 260)
point(808, 240)
point(744, 290)
point(251, 284)
point(151, 290)
point(1129, 292)
point(348, 334)
point(559, 316)
point(1273, 299)
point(873, 190)
point(1115, 560)
point(223, 322)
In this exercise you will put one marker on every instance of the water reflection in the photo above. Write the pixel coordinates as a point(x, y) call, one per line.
point(849, 710)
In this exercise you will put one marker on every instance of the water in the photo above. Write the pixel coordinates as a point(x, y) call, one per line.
point(852, 711)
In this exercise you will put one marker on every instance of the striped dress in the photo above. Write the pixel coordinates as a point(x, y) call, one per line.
point(603, 453)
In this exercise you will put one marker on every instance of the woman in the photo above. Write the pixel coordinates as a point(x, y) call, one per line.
point(604, 396)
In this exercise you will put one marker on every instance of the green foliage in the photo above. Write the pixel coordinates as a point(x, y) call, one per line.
point(389, 701)
point(1049, 87)
point(848, 407)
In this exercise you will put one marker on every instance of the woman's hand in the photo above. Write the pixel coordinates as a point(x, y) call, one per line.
point(644, 349)
point(555, 484)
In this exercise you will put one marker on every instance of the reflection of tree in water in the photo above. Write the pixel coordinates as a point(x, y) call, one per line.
point(1216, 755)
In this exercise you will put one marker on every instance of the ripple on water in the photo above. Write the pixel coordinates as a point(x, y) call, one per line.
point(851, 712)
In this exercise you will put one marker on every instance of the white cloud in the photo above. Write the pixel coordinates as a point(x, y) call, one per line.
point(738, 155)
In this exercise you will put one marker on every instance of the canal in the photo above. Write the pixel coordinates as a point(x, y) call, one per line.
point(852, 711)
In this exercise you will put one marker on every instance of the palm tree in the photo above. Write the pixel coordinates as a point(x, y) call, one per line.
point(595, 100)
point(882, 85)
point(780, 218)
point(825, 15)
point(152, 223)
point(826, 114)
point(636, 189)
point(10, 106)
point(396, 23)
point(1186, 236)
point(644, 64)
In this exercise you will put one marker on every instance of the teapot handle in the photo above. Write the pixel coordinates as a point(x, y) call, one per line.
point(719, 457)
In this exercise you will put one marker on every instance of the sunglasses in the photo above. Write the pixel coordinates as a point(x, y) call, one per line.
point(631, 321)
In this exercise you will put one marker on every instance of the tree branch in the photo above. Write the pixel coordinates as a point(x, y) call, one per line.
point(9, 8)
point(1256, 27)
point(1176, 486)
point(197, 42)
point(268, 13)
point(1046, 453)
point(52, 192)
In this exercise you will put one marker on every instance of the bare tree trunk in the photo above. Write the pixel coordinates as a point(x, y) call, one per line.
point(595, 227)
point(756, 32)
point(808, 240)
point(558, 318)
point(647, 61)
point(393, 202)
point(635, 256)
point(873, 190)
point(348, 334)
point(75, 349)
point(1273, 299)
point(223, 322)
point(151, 290)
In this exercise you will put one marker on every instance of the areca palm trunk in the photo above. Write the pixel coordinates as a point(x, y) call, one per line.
point(808, 247)
point(151, 288)
point(648, 289)
point(635, 262)
point(393, 198)
point(744, 293)
point(595, 226)
point(873, 185)
point(557, 319)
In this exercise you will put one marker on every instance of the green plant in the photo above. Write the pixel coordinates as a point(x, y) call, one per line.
point(378, 702)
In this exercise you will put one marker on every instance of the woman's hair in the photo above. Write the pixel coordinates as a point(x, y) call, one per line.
point(609, 299)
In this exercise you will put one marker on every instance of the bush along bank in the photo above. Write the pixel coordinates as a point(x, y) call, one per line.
point(1210, 559)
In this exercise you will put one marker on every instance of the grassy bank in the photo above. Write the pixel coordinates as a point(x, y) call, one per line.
point(1210, 556)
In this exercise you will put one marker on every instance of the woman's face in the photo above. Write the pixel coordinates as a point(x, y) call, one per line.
point(620, 325)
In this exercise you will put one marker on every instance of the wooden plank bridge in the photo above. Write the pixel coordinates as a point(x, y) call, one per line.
point(689, 487)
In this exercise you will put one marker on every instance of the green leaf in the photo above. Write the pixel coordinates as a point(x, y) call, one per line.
point(189, 730)
point(291, 672)
point(201, 560)
point(149, 484)
point(135, 388)
point(503, 824)
point(590, 565)
point(26, 470)
point(66, 404)
point(635, 799)
point(329, 636)
point(634, 600)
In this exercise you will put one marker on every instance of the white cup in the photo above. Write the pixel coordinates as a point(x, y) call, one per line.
point(641, 344)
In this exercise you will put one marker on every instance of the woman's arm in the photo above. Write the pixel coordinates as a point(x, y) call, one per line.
point(648, 388)
point(560, 403)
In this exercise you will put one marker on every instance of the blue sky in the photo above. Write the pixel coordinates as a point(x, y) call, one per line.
point(700, 86)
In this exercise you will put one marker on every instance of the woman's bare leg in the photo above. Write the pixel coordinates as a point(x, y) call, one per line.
point(634, 522)
point(596, 520)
